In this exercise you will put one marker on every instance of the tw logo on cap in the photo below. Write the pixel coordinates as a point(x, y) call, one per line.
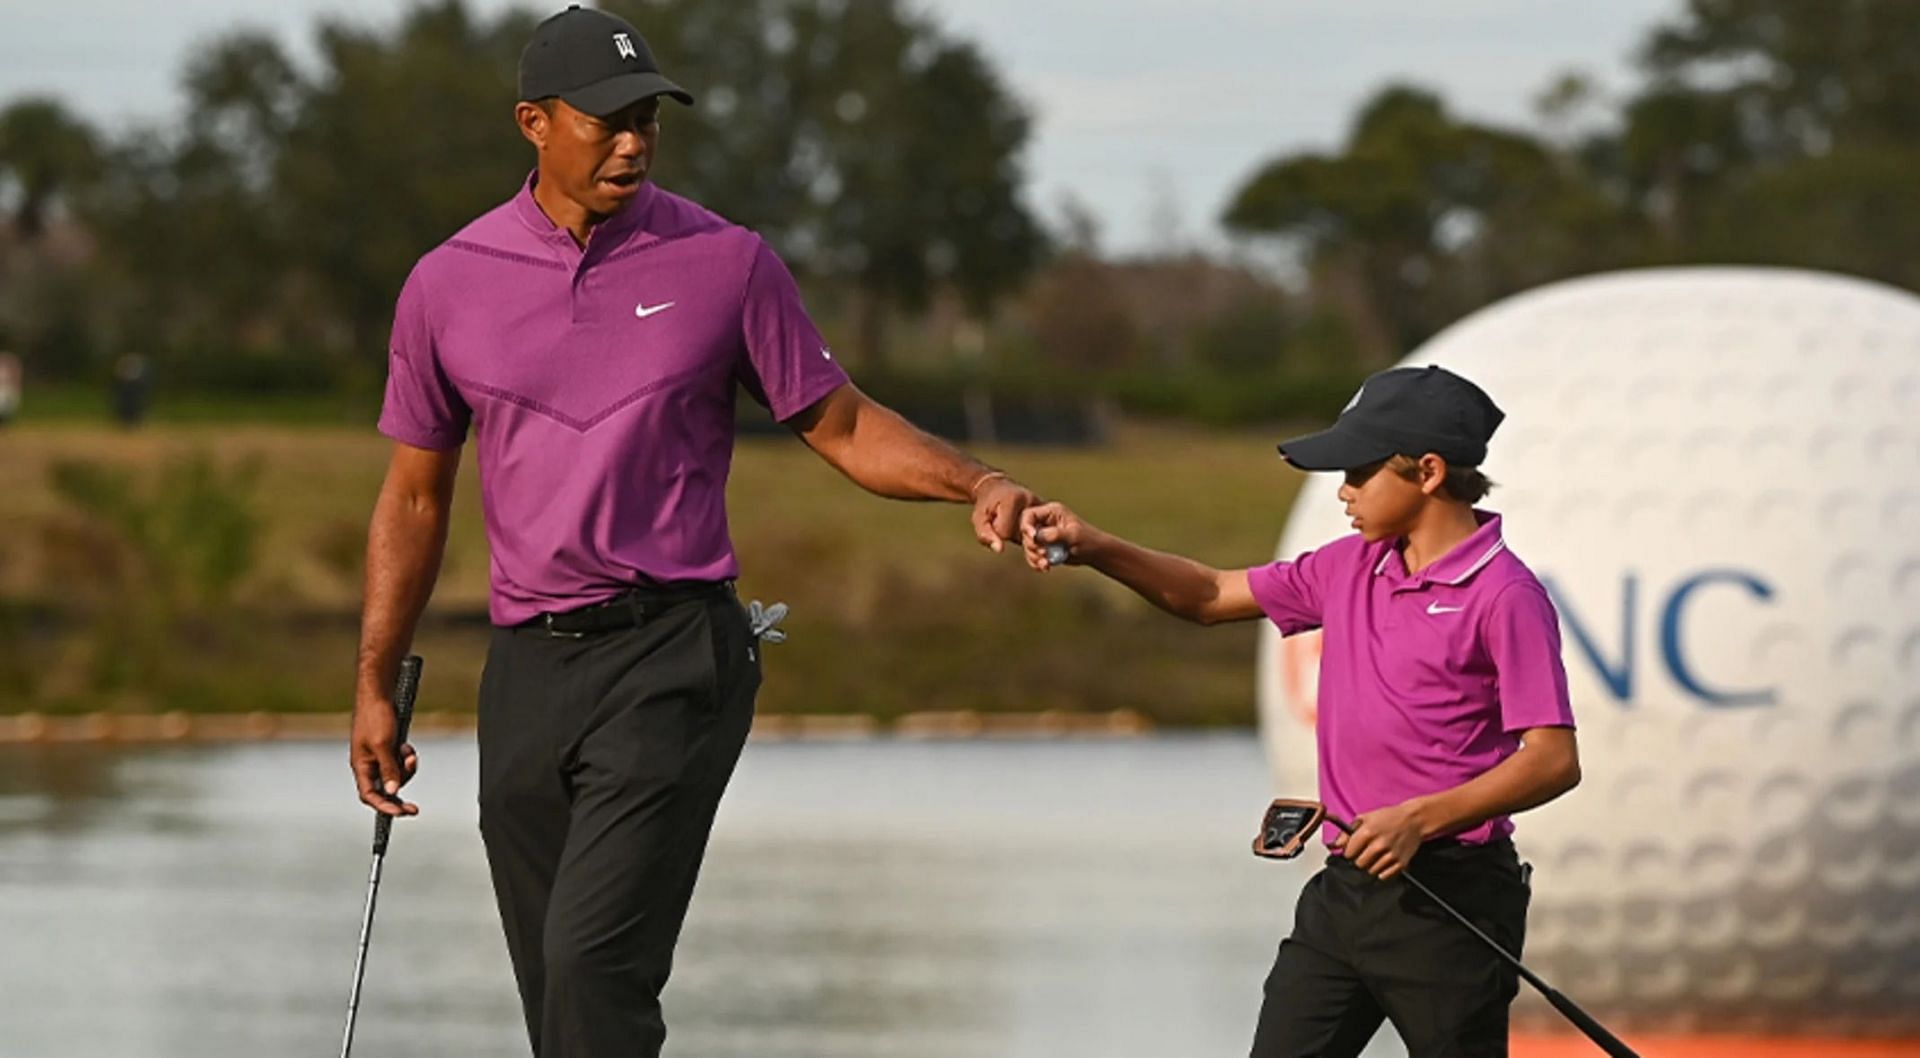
point(623, 44)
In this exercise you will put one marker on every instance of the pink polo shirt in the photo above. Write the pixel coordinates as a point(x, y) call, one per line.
point(598, 383)
point(1426, 679)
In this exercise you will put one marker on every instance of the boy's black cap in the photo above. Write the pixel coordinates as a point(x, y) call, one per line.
point(594, 61)
point(1404, 411)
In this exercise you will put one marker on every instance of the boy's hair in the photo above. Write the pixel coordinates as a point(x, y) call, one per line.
point(1463, 484)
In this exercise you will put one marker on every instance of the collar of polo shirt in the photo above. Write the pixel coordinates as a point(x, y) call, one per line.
point(537, 221)
point(1457, 566)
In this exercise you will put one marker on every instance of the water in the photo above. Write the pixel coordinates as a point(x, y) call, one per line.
point(923, 900)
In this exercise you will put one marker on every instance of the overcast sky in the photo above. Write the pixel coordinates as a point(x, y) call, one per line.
point(1149, 111)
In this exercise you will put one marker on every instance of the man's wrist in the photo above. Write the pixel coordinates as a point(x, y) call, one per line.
point(371, 678)
point(981, 482)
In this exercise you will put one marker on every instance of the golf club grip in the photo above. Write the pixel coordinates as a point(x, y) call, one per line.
point(404, 690)
point(1057, 554)
point(1596, 1032)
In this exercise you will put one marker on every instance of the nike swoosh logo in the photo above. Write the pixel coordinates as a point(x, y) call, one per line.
point(643, 310)
point(1436, 608)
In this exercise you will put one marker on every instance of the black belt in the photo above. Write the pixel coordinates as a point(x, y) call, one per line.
point(1442, 853)
point(628, 609)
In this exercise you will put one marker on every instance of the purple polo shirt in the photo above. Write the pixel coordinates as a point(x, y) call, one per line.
point(1426, 678)
point(599, 386)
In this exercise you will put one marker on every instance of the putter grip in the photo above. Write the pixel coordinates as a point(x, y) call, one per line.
point(403, 692)
point(1595, 1031)
point(1057, 554)
point(404, 689)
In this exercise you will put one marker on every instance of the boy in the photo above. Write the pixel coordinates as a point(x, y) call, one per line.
point(1443, 710)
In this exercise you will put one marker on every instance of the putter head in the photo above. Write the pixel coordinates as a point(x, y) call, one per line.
point(764, 621)
point(1288, 826)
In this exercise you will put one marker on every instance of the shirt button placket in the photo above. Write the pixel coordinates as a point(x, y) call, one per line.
point(575, 257)
point(582, 279)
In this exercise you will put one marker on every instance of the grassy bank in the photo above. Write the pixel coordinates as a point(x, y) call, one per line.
point(896, 610)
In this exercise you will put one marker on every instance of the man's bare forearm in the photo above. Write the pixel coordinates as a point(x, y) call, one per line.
point(889, 456)
point(880, 451)
point(405, 544)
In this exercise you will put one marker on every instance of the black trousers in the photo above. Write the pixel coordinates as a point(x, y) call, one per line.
point(1363, 951)
point(602, 763)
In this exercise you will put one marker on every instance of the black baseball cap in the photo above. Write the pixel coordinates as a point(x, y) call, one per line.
point(596, 62)
point(1406, 411)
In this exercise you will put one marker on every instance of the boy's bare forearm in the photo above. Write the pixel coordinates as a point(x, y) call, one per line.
point(1174, 583)
point(1547, 766)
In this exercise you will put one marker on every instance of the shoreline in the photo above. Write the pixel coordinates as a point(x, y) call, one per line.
point(207, 728)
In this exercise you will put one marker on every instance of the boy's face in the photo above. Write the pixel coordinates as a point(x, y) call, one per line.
point(1382, 503)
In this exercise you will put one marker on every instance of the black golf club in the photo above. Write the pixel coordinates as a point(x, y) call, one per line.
point(1290, 824)
point(403, 693)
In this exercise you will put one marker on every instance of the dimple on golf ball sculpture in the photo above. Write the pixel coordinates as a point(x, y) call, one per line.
point(1717, 473)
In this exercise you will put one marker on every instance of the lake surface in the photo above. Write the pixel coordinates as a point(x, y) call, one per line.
point(982, 899)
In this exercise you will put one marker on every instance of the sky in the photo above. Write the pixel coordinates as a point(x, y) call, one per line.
point(1148, 112)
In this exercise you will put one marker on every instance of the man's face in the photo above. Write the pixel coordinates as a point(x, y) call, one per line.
point(598, 162)
point(1382, 503)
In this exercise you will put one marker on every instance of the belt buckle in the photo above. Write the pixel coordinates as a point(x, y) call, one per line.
point(555, 633)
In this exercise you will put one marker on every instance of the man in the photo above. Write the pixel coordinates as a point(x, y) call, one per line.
point(1443, 711)
point(9, 387)
point(591, 332)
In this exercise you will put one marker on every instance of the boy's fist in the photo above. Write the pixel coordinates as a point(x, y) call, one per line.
point(1052, 527)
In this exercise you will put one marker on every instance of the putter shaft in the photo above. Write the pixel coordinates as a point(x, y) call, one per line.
point(360, 959)
point(403, 695)
point(1607, 1041)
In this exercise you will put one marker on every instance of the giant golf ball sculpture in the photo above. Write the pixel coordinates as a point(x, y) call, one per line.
point(1717, 472)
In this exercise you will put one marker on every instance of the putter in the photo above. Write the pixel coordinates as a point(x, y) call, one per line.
point(403, 692)
point(1290, 824)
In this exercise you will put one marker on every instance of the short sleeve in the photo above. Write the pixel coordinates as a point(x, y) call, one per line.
point(788, 366)
point(1522, 634)
point(1290, 593)
point(422, 408)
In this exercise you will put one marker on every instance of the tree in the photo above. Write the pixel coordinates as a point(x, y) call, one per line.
point(403, 139)
point(49, 162)
point(1079, 315)
point(1678, 147)
point(871, 149)
point(1851, 210)
point(46, 153)
point(1806, 77)
point(1773, 131)
point(1421, 216)
point(199, 252)
point(287, 211)
point(866, 143)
